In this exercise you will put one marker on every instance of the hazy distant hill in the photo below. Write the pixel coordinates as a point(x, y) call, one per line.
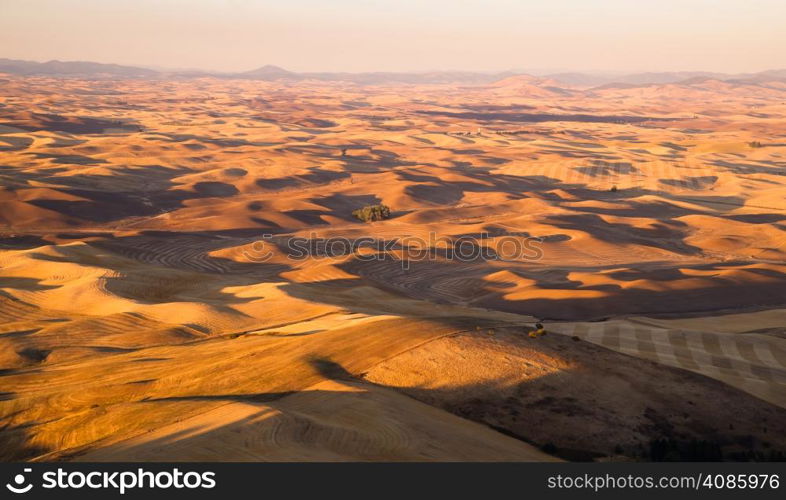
point(272, 73)
point(267, 72)
point(666, 77)
point(82, 68)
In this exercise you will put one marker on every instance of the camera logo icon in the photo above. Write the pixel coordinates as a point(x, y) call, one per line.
point(19, 483)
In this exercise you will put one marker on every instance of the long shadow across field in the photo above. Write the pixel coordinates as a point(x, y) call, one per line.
point(607, 404)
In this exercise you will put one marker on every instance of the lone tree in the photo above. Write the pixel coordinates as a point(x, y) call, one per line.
point(371, 213)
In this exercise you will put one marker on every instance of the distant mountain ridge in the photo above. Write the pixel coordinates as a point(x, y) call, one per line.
point(273, 73)
point(56, 68)
point(270, 72)
point(662, 78)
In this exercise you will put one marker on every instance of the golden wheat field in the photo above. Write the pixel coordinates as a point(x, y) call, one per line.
point(151, 307)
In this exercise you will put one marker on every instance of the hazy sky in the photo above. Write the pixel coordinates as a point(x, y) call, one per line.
point(402, 35)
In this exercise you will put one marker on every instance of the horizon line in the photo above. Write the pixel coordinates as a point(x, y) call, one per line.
point(517, 71)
